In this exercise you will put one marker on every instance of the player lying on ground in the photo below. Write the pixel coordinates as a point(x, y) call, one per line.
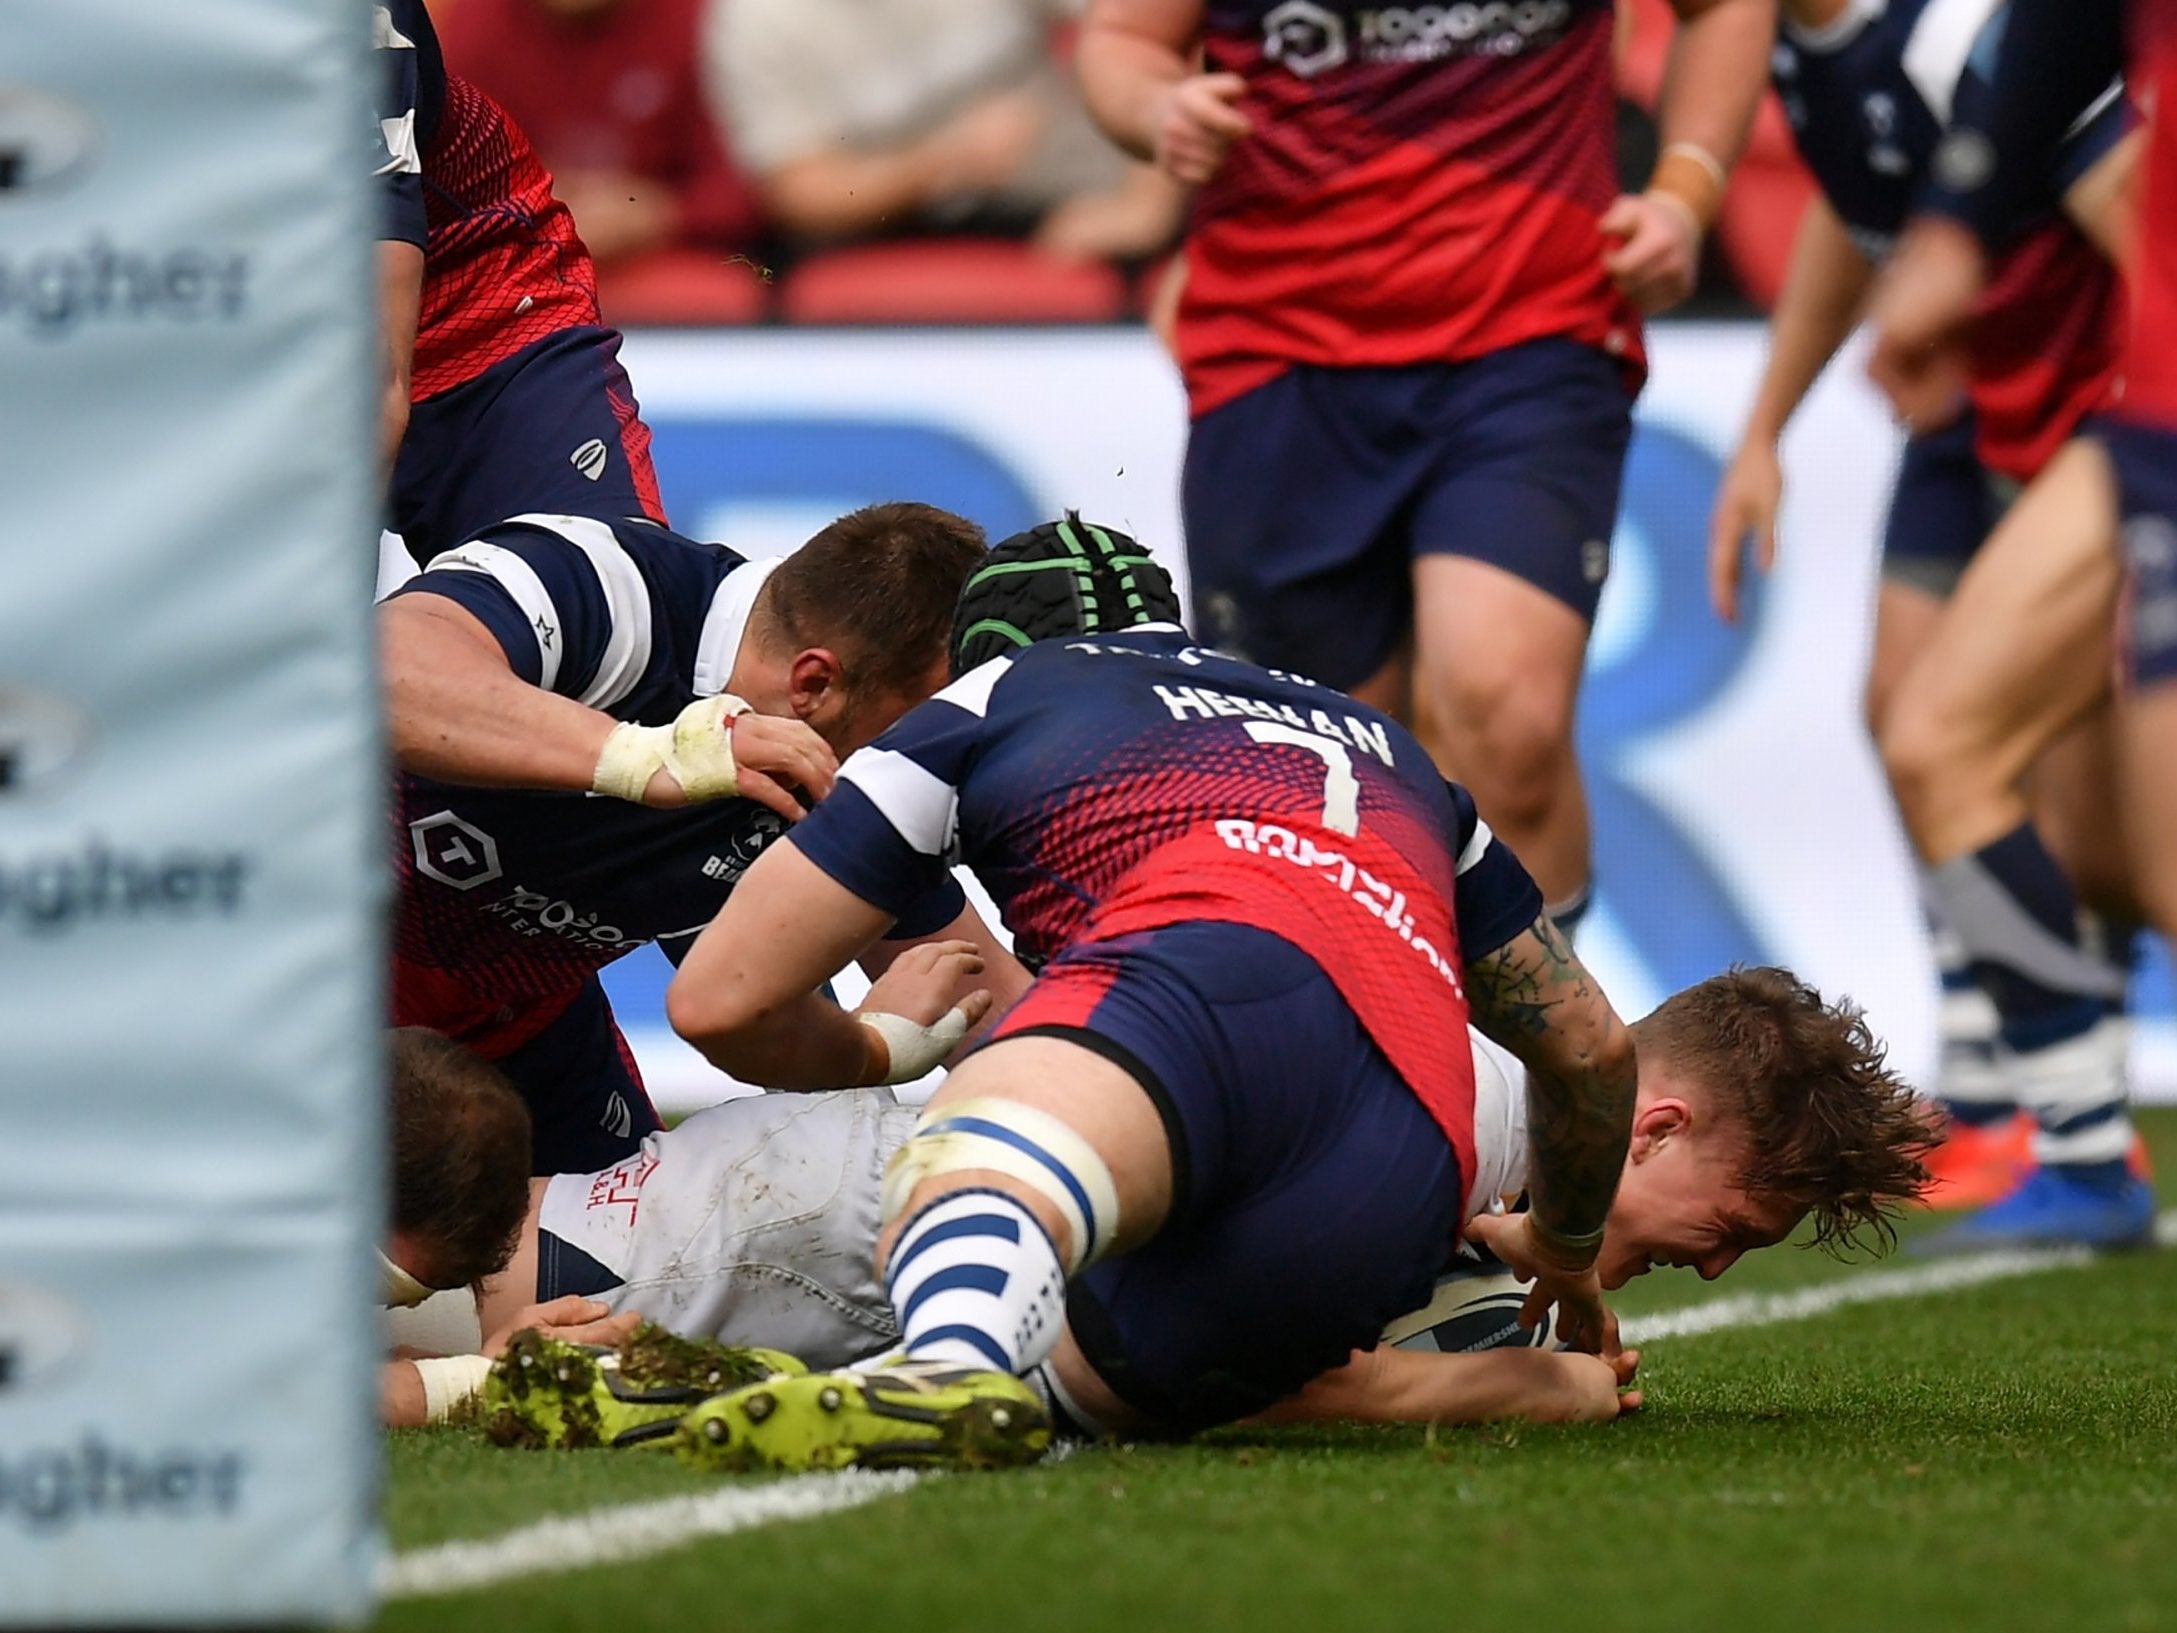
point(553, 658)
point(1229, 1134)
point(749, 1224)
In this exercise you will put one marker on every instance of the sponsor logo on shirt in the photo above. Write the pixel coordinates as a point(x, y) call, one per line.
point(1311, 39)
point(455, 852)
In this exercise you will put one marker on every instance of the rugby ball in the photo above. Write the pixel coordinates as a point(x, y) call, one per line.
point(1475, 1307)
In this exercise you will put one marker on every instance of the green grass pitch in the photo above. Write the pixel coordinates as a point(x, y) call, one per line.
point(1998, 1457)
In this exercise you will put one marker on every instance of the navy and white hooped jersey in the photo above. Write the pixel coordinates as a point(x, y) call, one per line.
point(627, 617)
point(411, 92)
point(1123, 783)
point(510, 900)
point(1868, 98)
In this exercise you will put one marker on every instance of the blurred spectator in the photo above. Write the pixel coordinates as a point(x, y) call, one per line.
point(611, 94)
point(860, 117)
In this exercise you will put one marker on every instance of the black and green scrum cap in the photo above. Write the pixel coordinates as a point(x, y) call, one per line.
point(1063, 578)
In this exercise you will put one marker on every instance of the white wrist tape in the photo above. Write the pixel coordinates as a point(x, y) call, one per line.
point(449, 1383)
point(696, 751)
point(917, 1049)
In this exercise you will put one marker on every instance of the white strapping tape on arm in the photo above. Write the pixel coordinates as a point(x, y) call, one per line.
point(915, 1049)
point(450, 1382)
point(1032, 1146)
point(695, 750)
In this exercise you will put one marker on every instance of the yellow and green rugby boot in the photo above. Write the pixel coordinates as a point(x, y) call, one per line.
point(895, 1414)
point(544, 1393)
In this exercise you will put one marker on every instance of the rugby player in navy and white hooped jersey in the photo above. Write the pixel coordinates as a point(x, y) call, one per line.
point(1868, 87)
point(504, 391)
point(555, 659)
point(1234, 1117)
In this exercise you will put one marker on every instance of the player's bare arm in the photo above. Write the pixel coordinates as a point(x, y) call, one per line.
point(1718, 71)
point(456, 711)
point(2102, 203)
point(400, 306)
point(1139, 75)
point(762, 1019)
point(1824, 290)
point(1392, 1385)
point(1535, 997)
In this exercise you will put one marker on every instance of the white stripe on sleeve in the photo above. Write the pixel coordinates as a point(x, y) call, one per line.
point(921, 806)
point(627, 606)
point(972, 690)
point(1476, 844)
point(519, 580)
point(400, 140)
point(384, 35)
point(1938, 47)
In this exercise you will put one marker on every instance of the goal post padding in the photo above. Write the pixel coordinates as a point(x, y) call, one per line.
point(191, 814)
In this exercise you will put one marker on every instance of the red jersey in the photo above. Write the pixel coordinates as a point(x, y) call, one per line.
point(502, 265)
point(1423, 184)
point(2046, 341)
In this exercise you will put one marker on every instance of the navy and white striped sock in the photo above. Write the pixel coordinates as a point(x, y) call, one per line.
point(2015, 912)
point(977, 1282)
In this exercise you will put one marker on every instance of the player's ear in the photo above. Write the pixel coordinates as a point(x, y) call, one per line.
point(813, 679)
point(1656, 1123)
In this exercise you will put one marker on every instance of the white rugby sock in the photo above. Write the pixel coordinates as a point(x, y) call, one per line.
point(976, 1282)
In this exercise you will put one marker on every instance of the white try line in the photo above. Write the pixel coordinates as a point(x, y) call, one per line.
point(611, 1536)
point(1870, 1287)
point(608, 1536)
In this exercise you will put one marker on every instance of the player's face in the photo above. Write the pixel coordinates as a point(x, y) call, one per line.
point(1681, 1202)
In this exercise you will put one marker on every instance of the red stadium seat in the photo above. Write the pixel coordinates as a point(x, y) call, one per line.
point(683, 286)
point(950, 280)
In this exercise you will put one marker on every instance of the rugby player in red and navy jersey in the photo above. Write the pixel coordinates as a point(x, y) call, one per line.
point(599, 727)
point(1410, 334)
point(2052, 64)
point(505, 393)
point(1230, 1131)
point(1961, 630)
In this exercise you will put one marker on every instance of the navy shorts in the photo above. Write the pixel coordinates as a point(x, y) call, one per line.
point(554, 428)
point(1943, 506)
point(1307, 499)
point(1314, 1197)
point(587, 1105)
point(2145, 458)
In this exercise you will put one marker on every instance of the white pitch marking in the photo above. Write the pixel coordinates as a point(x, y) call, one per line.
point(1767, 1309)
point(610, 1536)
point(606, 1536)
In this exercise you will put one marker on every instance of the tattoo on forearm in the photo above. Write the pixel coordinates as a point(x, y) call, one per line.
point(1536, 998)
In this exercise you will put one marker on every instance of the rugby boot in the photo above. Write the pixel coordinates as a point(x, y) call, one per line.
point(545, 1393)
point(1979, 1163)
point(892, 1414)
point(2050, 1208)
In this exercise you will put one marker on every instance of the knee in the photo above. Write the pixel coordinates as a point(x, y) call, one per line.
point(1511, 748)
point(1922, 758)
